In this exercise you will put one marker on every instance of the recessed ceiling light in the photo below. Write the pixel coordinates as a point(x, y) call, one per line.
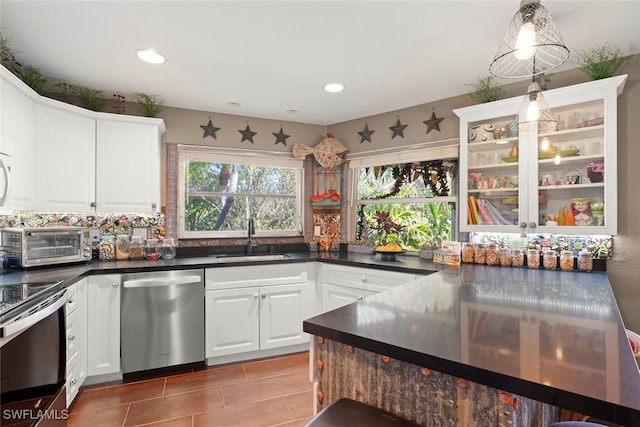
point(151, 56)
point(234, 104)
point(334, 87)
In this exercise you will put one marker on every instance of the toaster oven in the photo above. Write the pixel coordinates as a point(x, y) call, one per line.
point(33, 247)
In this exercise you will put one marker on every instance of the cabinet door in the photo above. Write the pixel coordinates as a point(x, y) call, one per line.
point(282, 310)
point(128, 169)
point(231, 321)
point(66, 160)
point(103, 343)
point(334, 296)
point(18, 125)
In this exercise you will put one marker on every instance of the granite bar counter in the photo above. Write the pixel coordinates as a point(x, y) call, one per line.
point(512, 344)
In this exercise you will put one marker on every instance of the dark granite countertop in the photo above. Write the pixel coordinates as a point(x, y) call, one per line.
point(552, 336)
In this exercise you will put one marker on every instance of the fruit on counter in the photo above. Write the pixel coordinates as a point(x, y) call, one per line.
point(389, 247)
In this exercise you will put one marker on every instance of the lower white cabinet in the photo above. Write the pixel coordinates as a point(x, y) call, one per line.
point(240, 317)
point(103, 344)
point(76, 336)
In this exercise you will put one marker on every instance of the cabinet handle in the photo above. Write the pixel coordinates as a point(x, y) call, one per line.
point(74, 381)
point(115, 284)
point(532, 224)
point(70, 300)
point(364, 278)
point(523, 224)
point(360, 298)
point(154, 206)
point(263, 295)
point(72, 337)
point(92, 204)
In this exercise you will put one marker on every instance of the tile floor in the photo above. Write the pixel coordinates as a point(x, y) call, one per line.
point(270, 392)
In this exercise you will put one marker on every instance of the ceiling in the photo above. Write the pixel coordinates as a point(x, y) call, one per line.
point(273, 57)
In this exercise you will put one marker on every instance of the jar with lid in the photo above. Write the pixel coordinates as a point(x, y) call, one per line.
point(136, 248)
point(585, 261)
point(505, 257)
point(151, 249)
point(533, 258)
point(467, 253)
point(122, 247)
point(167, 249)
point(107, 248)
point(479, 253)
point(566, 260)
point(518, 258)
point(549, 260)
point(492, 255)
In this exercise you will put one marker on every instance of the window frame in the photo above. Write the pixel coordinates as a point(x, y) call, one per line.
point(244, 157)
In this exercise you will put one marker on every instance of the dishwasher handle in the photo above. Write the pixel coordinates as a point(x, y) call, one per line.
point(155, 283)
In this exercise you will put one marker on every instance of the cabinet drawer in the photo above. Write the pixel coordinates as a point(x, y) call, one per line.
point(72, 333)
point(73, 383)
point(364, 278)
point(72, 300)
point(263, 275)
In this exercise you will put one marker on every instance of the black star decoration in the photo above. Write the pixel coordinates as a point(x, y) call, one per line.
point(365, 135)
point(209, 130)
point(281, 137)
point(247, 134)
point(433, 122)
point(398, 129)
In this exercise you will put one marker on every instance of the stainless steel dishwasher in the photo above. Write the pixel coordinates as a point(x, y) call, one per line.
point(162, 319)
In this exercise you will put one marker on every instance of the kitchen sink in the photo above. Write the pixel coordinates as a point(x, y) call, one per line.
point(252, 257)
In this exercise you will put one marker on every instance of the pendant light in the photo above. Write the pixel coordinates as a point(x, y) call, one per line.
point(534, 112)
point(532, 37)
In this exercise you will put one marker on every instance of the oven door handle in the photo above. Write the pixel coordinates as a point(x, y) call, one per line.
point(20, 325)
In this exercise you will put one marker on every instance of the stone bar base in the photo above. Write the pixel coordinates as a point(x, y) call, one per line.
point(417, 393)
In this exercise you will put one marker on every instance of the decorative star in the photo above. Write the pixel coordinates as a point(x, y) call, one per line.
point(433, 122)
point(398, 129)
point(365, 135)
point(247, 134)
point(209, 130)
point(281, 137)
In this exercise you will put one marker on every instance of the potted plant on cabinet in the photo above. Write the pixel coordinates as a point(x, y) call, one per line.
point(601, 62)
point(149, 105)
point(486, 89)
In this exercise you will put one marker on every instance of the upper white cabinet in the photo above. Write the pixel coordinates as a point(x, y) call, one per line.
point(562, 181)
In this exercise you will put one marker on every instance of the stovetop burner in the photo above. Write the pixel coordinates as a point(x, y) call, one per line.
point(16, 294)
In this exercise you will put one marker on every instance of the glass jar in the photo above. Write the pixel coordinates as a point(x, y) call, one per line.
point(167, 249)
point(479, 254)
point(533, 258)
point(566, 261)
point(505, 257)
point(151, 249)
point(136, 248)
point(107, 248)
point(492, 255)
point(467, 253)
point(585, 261)
point(518, 258)
point(549, 260)
point(122, 247)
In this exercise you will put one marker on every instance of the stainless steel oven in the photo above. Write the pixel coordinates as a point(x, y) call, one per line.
point(32, 354)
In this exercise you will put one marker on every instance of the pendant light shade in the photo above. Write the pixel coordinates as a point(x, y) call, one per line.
point(534, 112)
point(532, 44)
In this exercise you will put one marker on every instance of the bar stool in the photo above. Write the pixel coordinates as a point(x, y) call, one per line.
point(346, 412)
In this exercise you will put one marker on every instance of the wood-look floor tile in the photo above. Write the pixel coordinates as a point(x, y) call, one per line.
point(277, 366)
point(301, 404)
point(304, 377)
point(295, 423)
point(174, 406)
point(259, 414)
point(214, 377)
point(262, 389)
point(89, 400)
point(176, 422)
point(111, 416)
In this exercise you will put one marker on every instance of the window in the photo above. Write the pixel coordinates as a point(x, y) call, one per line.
point(412, 204)
point(221, 191)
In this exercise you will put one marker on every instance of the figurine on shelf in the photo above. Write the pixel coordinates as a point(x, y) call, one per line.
point(582, 214)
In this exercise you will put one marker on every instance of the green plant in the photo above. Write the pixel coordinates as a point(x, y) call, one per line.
point(601, 62)
point(486, 89)
point(91, 99)
point(33, 78)
point(149, 105)
point(8, 56)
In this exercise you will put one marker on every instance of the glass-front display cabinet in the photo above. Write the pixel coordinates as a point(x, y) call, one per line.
point(561, 180)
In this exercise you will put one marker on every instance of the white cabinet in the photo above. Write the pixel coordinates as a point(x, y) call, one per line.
point(342, 285)
point(76, 336)
point(520, 182)
point(65, 160)
point(128, 164)
point(256, 308)
point(103, 303)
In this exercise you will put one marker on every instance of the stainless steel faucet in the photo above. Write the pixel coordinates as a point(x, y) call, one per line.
point(250, 232)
